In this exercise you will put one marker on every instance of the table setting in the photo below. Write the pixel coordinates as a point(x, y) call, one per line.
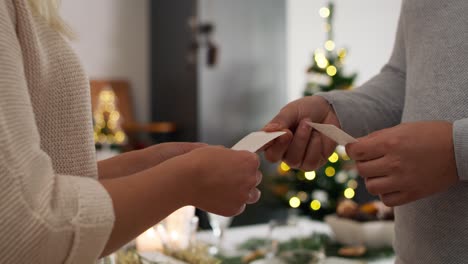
point(354, 234)
point(298, 240)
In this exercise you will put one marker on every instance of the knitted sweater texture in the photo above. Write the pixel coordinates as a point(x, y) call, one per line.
point(52, 208)
point(425, 79)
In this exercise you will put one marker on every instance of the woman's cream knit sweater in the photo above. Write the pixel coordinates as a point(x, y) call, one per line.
point(52, 208)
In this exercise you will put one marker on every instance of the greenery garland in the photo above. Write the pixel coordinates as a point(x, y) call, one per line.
point(296, 250)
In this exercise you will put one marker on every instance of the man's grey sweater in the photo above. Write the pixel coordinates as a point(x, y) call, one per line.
point(425, 79)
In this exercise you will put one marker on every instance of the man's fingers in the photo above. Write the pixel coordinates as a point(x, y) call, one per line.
point(287, 118)
point(367, 148)
point(277, 150)
point(381, 185)
point(313, 158)
point(377, 167)
point(394, 199)
point(297, 149)
point(258, 177)
point(254, 196)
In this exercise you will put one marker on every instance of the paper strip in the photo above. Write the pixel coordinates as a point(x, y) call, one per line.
point(333, 132)
point(256, 140)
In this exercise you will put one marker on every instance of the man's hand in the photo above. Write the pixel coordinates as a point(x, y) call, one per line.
point(302, 147)
point(407, 162)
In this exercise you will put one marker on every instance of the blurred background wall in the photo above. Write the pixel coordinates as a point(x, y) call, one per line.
point(113, 42)
point(247, 87)
point(265, 48)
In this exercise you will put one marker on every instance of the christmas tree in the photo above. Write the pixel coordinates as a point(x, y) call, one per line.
point(316, 193)
point(107, 120)
point(326, 72)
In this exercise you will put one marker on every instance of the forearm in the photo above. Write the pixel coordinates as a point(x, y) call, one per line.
point(376, 105)
point(142, 200)
point(122, 165)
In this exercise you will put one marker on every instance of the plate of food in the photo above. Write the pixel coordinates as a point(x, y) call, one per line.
point(369, 225)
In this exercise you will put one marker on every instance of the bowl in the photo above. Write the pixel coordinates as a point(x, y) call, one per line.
point(373, 234)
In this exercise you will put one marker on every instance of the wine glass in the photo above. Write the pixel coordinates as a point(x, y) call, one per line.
point(219, 224)
point(271, 242)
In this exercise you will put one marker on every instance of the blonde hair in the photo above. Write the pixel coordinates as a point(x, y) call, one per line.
point(49, 10)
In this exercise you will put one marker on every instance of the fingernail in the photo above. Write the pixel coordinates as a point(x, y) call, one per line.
point(304, 129)
point(259, 177)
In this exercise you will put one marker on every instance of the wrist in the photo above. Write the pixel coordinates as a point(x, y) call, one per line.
point(142, 199)
point(327, 112)
point(180, 173)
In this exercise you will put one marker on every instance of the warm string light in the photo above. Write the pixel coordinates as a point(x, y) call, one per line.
point(341, 177)
point(321, 59)
point(331, 70)
point(342, 53)
point(334, 158)
point(119, 137)
point(310, 175)
point(330, 171)
point(353, 184)
point(349, 193)
point(315, 205)
point(302, 196)
point(285, 167)
point(329, 45)
point(294, 202)
point(324, 12)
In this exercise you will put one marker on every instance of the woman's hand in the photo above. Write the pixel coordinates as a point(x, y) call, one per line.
point(215, 179)
point(221, 181)
point(407, 162)
point(139, 160)
point(301, 147)
point(156, 154)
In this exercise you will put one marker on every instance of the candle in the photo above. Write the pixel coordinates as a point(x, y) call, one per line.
point(149, 241)
point(178, 227)
point(174, 232)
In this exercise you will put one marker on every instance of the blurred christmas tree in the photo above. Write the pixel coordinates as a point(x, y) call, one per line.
point(107, 121)
point(326, 72)
point(316, 193)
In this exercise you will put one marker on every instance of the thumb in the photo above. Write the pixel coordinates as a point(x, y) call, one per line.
point(315, 108)
point(287, 118)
